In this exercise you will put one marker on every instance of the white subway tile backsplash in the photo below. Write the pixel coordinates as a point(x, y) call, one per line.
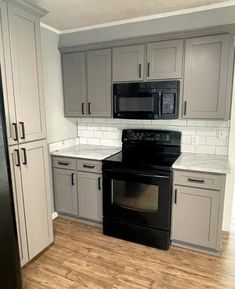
point(204, 149)
point(209, 137)
point(207, 131)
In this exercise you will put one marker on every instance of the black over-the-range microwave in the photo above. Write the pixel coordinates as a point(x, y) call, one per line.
point(146, 100)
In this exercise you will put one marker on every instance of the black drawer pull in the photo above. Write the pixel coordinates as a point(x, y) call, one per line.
point(196, 181)
point(63, 163)
point(14, 124)
point(17, 158)
point(72, 179)
point(89, 166)
point(99, 183)
point(24, 162)
point(175, 196)
point(22, 130)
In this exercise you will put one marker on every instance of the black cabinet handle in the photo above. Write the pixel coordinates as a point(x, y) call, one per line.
point(22, 130)
point(140, 70)
point(72, 179)
point(99, 183)
point(24, 162)
point(196, 181)
point(89, 108)
point(14, 124)
point(148, 73)
point(83, 111)
point(185, 107)
point(176, 196)
point(89, 166)
point(63, 164)
point(17, 157)
point(160, 103)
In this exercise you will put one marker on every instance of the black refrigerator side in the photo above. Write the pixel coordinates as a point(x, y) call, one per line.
point(10, 271)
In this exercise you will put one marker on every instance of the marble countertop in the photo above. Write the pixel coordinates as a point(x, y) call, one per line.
point(93, 152)
point(203, 163)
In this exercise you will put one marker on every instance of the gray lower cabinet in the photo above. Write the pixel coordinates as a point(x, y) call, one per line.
point(90, 196)
point(165, 59)
point(74, 83)
point(205, 78)
point(31, 191)
point(65, 188)
point(128, 63)
point(78, 187)
point(197, 210)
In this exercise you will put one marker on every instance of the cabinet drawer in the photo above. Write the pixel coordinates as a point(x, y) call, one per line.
point(198, 180)
point(89, 166)
point(65, 163)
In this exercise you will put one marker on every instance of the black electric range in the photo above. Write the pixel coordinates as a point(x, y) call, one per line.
point(137, 187)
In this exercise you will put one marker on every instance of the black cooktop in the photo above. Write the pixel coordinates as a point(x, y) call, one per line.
point(147, 150)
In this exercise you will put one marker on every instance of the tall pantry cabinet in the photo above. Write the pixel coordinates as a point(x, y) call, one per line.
point(20, 57)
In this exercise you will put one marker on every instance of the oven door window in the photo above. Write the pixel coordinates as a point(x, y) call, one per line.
point(135, 196)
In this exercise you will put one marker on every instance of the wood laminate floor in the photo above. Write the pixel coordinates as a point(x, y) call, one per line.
point(82, 257)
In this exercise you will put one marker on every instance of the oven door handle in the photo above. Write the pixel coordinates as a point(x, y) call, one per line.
point(136, 173)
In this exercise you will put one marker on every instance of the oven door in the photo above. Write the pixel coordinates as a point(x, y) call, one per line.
point(136, 197)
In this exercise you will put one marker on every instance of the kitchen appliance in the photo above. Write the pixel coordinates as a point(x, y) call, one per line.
point(137, 187)
point(146, 100)
point(10, 276)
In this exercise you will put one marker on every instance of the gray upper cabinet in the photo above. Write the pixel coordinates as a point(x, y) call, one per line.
point(205, 77)
point(128, 63)
point(74, 81)
point(195, 216)
point(99, 82)
point(6, 73)
point(90, 196)
point(65, 190)
point(24, 29)
point(164, 59)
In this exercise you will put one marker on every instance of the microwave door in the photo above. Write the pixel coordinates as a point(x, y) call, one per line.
point(143, 105)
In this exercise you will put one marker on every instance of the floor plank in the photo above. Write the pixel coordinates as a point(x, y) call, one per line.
point(82, 257)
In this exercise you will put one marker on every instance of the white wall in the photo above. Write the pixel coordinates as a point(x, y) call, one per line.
point(230, 189)
point(58, 127)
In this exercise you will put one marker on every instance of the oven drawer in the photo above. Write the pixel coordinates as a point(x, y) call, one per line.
point(89, 166)
point(65, 163)
point(198, 180)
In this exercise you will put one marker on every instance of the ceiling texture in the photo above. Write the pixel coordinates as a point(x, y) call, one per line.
point(71, 14)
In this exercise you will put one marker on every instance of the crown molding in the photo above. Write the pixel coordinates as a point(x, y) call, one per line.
point(26, 4)
point(49, 28)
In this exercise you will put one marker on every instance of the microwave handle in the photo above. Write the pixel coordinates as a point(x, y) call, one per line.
point(115, 103)
point(160, 103)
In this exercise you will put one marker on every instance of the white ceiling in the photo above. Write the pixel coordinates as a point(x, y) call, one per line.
point(70, 14)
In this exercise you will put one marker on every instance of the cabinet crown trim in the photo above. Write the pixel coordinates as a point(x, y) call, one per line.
point(32, 8)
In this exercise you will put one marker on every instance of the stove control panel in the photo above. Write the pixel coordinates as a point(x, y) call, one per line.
point(156, 136)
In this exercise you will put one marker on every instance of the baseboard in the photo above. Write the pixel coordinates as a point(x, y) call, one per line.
point(54, 215)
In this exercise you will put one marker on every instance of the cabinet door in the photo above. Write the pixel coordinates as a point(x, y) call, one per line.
point(90, 196)
point(128, 63)
point(18, 203)
point(164, 59)
point(205, 80)
point(74, 81)
point(6, 75)
point(36, 195)
point(65, 190)
point(99, 82)
point(25, 46)
point(196, 216)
